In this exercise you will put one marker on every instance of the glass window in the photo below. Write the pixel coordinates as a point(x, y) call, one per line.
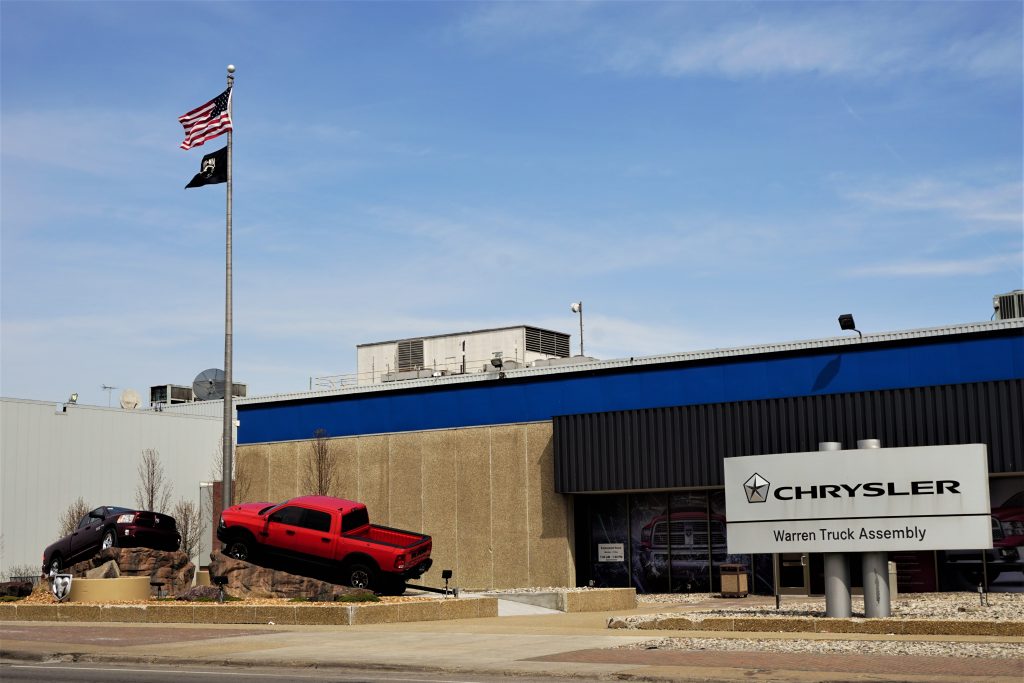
point(317, 520)
point(609, 537)
point(85, 521)
point(648, 518)
point(290, 515)
point(691, 539)
point(719, 546)
point(354, 519)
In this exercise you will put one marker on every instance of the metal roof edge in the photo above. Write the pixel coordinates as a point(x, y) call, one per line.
point(108, 409)
point(708, 354)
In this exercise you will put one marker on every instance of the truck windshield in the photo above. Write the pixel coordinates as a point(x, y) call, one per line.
point(354, 519)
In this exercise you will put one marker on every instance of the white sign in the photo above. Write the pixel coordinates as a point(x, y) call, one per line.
point(611, 552)
point(879, 499)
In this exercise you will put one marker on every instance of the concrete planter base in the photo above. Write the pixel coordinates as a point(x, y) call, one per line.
point(590, 600)
point(236, 613)
point(109, 590)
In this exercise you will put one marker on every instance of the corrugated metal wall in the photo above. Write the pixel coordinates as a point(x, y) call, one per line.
point(48, 458)
point(684, 446)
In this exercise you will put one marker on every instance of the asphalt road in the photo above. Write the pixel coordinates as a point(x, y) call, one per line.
point(134, 673)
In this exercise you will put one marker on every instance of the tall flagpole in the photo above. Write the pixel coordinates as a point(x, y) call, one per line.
point(229, 416)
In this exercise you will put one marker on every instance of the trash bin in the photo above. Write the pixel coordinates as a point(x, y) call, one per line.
point(734, 580)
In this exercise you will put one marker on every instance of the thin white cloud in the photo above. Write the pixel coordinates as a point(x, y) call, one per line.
point(767, 39)
point(517, 21)
point(985, 206)
point(488, 238)
point(98, 142)
point(943, 267)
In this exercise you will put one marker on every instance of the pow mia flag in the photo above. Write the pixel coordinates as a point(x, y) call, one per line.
point(213, 170)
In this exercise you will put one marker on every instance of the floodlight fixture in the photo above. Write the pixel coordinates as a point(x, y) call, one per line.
point(219, 582)
point(577, 307)
point(73, 398)
point(846, 323)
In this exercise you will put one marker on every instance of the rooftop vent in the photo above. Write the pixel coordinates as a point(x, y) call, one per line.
point(409, 355)
point(546, 342)
point(1009, 305)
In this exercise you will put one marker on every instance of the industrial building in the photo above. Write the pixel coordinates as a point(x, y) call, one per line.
point(611, 471)
point(53, 453)
point(533, 467)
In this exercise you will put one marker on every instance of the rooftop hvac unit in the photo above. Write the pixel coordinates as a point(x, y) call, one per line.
point(169, 394)
point(1009, 305)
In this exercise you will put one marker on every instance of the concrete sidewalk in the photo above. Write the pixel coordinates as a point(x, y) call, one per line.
point(566, 645)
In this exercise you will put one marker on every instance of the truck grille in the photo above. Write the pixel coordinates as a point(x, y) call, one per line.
point(687, 534)
point(156, 521)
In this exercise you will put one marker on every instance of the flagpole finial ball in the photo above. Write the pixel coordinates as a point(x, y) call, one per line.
point(231, 68)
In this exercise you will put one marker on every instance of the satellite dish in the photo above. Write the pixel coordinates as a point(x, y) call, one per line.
point(209, 385)
point(129, 399)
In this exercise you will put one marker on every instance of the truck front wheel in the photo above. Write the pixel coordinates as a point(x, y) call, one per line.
point(240, 548)
point(360, 575)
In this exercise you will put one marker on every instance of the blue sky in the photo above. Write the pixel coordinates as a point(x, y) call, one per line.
point(699, 174)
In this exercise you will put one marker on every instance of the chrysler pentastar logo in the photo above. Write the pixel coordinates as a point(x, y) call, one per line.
point(756, 488)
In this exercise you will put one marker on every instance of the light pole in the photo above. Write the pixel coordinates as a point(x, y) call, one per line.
point(577, 307)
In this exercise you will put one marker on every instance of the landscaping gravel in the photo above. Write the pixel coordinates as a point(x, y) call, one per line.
point(956, 606)
point(939, 606)
point(913, 648)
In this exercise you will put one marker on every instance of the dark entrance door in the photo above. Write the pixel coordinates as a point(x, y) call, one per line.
point(794, 577)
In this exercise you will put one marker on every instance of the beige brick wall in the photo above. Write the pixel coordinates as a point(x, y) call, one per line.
point(485, 495)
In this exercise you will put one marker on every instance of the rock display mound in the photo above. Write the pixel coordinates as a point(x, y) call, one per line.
point(174, 569)
point(246, 580)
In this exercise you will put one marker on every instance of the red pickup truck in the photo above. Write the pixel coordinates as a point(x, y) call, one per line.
point(328, 535)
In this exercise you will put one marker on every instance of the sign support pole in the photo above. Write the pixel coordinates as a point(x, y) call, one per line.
point(837, 569)
point(875, 568)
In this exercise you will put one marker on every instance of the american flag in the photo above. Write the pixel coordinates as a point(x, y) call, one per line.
point(207, 121)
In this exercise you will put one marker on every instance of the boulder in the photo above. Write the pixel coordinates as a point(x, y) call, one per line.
point(17, 589)
point(199, 593)
point(173, 568)
point(250, 580)
point(107, 570)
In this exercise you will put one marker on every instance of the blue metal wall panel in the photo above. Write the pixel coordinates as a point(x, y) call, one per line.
point(920, 363)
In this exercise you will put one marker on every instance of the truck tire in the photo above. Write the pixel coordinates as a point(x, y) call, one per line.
point(56, 564)
point(240, 547)
point(360, 575)
point(109, 539)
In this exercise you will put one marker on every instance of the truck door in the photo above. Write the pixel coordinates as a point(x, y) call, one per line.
point(280, 532)
point(301, 533)
point(314, 538)
point(85, 539)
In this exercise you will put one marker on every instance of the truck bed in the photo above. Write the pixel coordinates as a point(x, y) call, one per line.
point(388, 536)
